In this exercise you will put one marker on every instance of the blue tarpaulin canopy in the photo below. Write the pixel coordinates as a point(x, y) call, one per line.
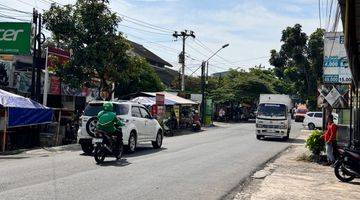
point(24, 111)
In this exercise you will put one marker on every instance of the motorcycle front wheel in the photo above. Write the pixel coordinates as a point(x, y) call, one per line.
point(99, 154)
point(342, 173)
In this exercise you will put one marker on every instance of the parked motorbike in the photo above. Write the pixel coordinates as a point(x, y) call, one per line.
point(347, 167)
point(196, 126)
point(106, 145)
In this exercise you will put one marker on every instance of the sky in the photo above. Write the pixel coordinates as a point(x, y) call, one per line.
point(251, 28)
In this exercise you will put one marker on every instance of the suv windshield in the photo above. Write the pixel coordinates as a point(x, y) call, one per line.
point(94, 108)
point(272, 110)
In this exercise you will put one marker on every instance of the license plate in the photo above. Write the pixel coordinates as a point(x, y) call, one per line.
point(96, 140)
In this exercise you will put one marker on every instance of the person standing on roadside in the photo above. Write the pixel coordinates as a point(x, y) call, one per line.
point(330, 139)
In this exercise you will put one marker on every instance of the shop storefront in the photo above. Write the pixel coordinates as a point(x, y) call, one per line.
point(350, 16)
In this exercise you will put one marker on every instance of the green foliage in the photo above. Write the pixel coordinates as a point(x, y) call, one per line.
point(139, 77)
point(88, 29)
point(315, 143)
point(299, 62)
point(244, 87)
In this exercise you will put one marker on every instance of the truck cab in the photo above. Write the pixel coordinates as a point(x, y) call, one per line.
point(273, 117)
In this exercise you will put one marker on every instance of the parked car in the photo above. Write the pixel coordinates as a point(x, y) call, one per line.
point(140, 126)
point(300, 114)
point(315, 120)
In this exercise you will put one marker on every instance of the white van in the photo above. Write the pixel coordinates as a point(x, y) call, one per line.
point(273, 117)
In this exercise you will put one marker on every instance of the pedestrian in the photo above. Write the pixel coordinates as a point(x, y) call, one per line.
point(222, 114)
point(330, 139)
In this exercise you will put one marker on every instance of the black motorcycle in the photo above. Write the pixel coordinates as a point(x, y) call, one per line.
point(107, 145)
point(347, 167)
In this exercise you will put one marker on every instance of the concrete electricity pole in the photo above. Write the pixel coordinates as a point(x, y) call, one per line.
point(184, 35)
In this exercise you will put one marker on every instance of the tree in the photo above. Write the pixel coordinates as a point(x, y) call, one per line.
point(89, 30)
point(315, 52)
point(141, 77)
point(242, 87)
point(298, 63)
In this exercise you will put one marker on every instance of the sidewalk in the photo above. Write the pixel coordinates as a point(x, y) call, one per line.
point(288, 177)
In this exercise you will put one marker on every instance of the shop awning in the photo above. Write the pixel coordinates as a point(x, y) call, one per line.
point(172, 97)
point(150, 101)
point(24, 111)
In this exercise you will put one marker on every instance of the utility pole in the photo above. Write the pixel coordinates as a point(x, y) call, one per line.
point(32, 88)
point(184, 35)
point(38, 71)
point(203, 99)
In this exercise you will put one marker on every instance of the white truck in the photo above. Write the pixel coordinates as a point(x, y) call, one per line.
point(273, 118)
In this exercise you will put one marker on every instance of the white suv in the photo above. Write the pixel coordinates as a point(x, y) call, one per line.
point(315, 120)
point(139, 125)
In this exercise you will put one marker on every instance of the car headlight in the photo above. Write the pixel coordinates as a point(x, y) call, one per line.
point(259, 125)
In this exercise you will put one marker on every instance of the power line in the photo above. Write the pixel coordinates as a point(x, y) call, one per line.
point(26, 3)
point(211, 51)
point(175, 51)
point(15, 18)
point(319, 1)
point(5, 7)
point(143, 23)
point(139, 29)
point(330, 12)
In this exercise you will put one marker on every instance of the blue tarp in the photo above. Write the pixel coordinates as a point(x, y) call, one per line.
point(24, 111)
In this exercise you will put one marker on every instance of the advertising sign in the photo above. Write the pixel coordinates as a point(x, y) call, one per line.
point(336, 66)
point(5, 73)
point(337, 96)
point(177, 112)
point(56, 55)
point(160, 99)
point(54, 85)
point(15, 38)
point(24, 82)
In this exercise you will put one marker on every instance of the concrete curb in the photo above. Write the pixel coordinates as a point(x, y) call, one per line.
point(230, 195)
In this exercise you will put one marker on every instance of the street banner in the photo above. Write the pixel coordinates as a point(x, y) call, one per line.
point(177, 112)
point(15, 38)
point(54, 85)
point(53, 55)
point(160, 105)
point(336, 65)
point(56, 54)
point(337, 96)
point(160, 99)
point(6, 73)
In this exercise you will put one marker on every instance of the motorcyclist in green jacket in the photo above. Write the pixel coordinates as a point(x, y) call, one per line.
point(108, 122)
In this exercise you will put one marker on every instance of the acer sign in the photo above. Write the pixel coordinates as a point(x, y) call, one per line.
point(15, 38)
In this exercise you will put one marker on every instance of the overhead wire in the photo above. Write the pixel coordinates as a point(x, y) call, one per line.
point(143, 23)
point(139, 29)
point(5, 7)
point(319, 5)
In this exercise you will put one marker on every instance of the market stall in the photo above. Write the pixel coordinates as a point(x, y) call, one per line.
point(18, 111)
point(174, 105)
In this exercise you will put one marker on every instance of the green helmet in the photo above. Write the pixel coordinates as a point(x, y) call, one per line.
point(108, 106)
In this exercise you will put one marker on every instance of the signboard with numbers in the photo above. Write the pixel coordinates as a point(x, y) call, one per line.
point(336, 66)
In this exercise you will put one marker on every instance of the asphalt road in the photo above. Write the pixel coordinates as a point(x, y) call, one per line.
point(205, 165)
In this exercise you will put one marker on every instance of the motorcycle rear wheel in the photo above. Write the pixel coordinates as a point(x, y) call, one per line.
point(119, 154)
point(99, 154)
point(341, 172)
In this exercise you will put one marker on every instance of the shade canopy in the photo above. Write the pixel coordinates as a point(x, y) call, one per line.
point(24, 111)
point(169, 96)
point(150, 101)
